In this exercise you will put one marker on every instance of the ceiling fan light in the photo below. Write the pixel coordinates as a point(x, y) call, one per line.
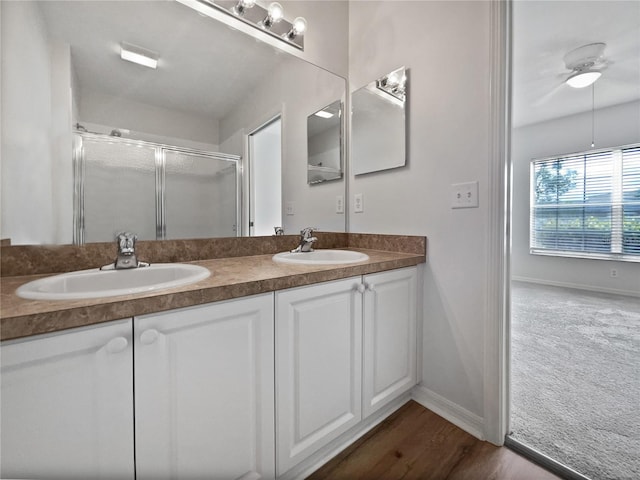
point(583, 79)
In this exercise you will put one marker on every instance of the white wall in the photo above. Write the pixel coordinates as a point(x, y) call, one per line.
point(102, 113)
point(27, 214)
point(614, 126)
point(299, 89)
point(446, 47)
point(327, 36)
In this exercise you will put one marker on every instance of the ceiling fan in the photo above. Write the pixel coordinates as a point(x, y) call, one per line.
point(586, 64)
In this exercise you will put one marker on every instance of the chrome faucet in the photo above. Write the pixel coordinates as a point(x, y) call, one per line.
point(126, 255)
point(306, 240)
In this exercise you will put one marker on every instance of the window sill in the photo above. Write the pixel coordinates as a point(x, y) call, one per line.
point(587, 256)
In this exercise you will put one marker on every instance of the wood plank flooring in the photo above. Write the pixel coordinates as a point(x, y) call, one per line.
point(416, 444)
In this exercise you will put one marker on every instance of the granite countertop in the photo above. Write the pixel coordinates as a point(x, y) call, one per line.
point(230, 278)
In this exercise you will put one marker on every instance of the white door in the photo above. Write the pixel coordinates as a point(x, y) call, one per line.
point(67, 404)
point(265, 178)
point(318, 367)
point(204, 391)
point(389, 367)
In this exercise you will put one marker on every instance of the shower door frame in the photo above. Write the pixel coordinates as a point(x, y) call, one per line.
point(160, 175)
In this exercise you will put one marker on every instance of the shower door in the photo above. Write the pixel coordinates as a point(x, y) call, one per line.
point(156, 191)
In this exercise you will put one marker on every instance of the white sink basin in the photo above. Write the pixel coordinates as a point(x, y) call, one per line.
point(97, 283)
point(321, 257)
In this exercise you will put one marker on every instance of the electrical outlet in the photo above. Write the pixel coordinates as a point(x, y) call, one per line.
point(613, 273)
point(291, 208)
point(464, 195)
point(358, 203)
point(339, 204)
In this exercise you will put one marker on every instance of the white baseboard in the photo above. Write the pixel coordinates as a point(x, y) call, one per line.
point(578, 286)
point(460, 417)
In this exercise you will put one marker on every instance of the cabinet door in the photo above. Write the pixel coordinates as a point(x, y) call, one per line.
point(204, 391)
point(67, 404)
point(318, 367)
point(389, 337)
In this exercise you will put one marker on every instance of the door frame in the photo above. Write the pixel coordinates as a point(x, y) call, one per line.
point(248, 168)
point(497, 313)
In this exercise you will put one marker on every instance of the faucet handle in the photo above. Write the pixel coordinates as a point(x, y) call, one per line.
point(126, 243)
point(307, 232)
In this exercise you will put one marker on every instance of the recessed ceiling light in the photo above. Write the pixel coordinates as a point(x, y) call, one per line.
point(323, 114)
point(139, 55)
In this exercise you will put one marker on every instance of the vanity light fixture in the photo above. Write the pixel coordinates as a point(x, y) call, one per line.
point(269, 19)
point(139, 55)
point(323, 114)
point(395, 84)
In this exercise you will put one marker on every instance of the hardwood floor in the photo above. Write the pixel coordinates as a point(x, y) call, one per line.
point(415, 443)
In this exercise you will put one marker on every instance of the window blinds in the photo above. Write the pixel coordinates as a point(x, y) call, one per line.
point(631, 200)
point(587, 204)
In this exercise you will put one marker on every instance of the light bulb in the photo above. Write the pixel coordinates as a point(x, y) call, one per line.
point(275, 13)
point(298, 28)
point(243, 5)
point(583, 79)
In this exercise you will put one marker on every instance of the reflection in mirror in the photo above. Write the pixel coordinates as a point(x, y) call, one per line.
point(378, 124)
point(324, 144)
point(157, 191)
point(211, 87)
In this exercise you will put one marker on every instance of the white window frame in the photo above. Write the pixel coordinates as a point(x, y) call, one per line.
point(616, 211)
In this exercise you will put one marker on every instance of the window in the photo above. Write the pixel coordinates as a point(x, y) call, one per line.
point(587, 205)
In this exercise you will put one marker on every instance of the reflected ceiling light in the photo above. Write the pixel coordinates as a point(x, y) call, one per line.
point(298, 27)
point(324, 114)
point(583, 79)
point(139, 55)
point(275, 13)
point(243, 5)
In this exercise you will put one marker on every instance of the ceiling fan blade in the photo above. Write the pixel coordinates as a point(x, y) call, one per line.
point(547, 96)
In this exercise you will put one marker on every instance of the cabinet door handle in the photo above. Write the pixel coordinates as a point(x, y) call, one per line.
point(149, 336)
point(117, 345)
point(371, 287)
point(360, 288)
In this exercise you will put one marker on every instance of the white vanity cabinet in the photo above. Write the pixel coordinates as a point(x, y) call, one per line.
point(66, 404)
point(344, 349)
point(318, 367)
point(204, 391)
point(389, 338)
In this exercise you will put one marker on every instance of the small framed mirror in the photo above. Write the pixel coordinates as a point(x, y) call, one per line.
point(324, 144)
point(378, 124)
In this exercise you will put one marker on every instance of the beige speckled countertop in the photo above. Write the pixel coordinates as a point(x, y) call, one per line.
point(230, 278)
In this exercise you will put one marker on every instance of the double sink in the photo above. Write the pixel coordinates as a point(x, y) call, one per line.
point(96, 283)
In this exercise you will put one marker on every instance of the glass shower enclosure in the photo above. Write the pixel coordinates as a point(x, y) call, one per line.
point(157, 191)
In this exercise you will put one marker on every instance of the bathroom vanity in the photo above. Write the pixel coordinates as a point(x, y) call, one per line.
point(262, 370)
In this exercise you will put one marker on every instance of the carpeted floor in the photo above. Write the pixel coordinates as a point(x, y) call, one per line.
point(575, 378)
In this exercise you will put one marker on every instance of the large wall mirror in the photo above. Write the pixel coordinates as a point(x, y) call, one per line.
point(378, 124)
point(163, 151)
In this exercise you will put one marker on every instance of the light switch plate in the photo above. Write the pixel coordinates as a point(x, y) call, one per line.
point(464, 195)
point(358, 203)
point(291, 208)
point(339, 204)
